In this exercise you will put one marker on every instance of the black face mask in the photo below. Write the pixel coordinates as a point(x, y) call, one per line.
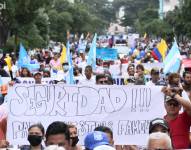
point(34, 140)
point(74, 140)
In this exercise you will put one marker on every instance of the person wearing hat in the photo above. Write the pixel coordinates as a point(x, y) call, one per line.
point(179, 123)
point(97, 140)
point(38, 77)
point(158, 125)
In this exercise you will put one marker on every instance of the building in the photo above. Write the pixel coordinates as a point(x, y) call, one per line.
point(167, 5)
point(116, 29)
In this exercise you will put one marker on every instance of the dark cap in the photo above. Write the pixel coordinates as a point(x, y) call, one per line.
point(169, 98)
point(158, 121)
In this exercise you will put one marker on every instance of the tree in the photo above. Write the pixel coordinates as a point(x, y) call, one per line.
point(180, 20)
point(19, 16)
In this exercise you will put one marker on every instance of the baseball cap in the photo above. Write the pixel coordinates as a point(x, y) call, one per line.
point(38, 72)
point(158, 121)
point(169, 98)
point(96, 138)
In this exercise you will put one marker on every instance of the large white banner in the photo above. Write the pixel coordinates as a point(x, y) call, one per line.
point(21, 80)
point(127, 110)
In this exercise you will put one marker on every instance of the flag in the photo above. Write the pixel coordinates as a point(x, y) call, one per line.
point(173, 60)
point(82, 44)
point(145, 35)
point(92, 53)
point(71, 71)
point(70, 76)
point(156, 54)
point(162, 47)
point(24, 59)
point(8, 60)
point(63, 55)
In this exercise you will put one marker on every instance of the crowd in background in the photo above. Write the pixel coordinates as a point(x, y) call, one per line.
point(173, 131)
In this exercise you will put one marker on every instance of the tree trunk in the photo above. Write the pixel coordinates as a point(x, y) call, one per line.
point(16, 43)
point(4, 32)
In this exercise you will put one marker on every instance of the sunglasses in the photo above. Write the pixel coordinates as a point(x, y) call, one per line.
point(102, 82)
point(173, 104)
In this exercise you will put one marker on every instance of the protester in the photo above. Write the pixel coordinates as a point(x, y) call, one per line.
point(139, 76)
point(179, 123)
point(155, 77)
point(46, 74)
point(96, 141)
point(101, 79)
point(159, 125)
point(89, 79)
point(130, 76)
point(74, 138)
point(187, 83)
point(58, 133)
point(3, 73)
point(3, 127)
point(108, 131)
point(14, 69)
point(55, 64)
point(35, 137)
point(159, 140)
point(25, 73)
point(38, 77)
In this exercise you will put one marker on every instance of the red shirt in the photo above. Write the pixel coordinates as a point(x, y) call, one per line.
point(179, 131)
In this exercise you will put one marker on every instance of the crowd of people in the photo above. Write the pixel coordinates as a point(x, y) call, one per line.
point(170, 132)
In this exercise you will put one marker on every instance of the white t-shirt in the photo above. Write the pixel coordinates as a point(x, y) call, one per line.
point(85, 81)
point(14, 69)
point(150, 83)
point(82, 65)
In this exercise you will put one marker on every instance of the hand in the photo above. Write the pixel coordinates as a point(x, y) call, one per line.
point(167, 91)
point(4, 144)
point(11, 83)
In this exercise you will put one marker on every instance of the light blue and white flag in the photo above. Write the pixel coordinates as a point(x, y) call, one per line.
point(92, 53)
point(173, 60)
point(70, 75)
point(24, 59)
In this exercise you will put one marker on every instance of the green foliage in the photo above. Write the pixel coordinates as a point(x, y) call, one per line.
point(36, 22)
point(180, 20)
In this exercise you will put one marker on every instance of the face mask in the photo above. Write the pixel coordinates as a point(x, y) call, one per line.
point(74, 140)
point(34, 140)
